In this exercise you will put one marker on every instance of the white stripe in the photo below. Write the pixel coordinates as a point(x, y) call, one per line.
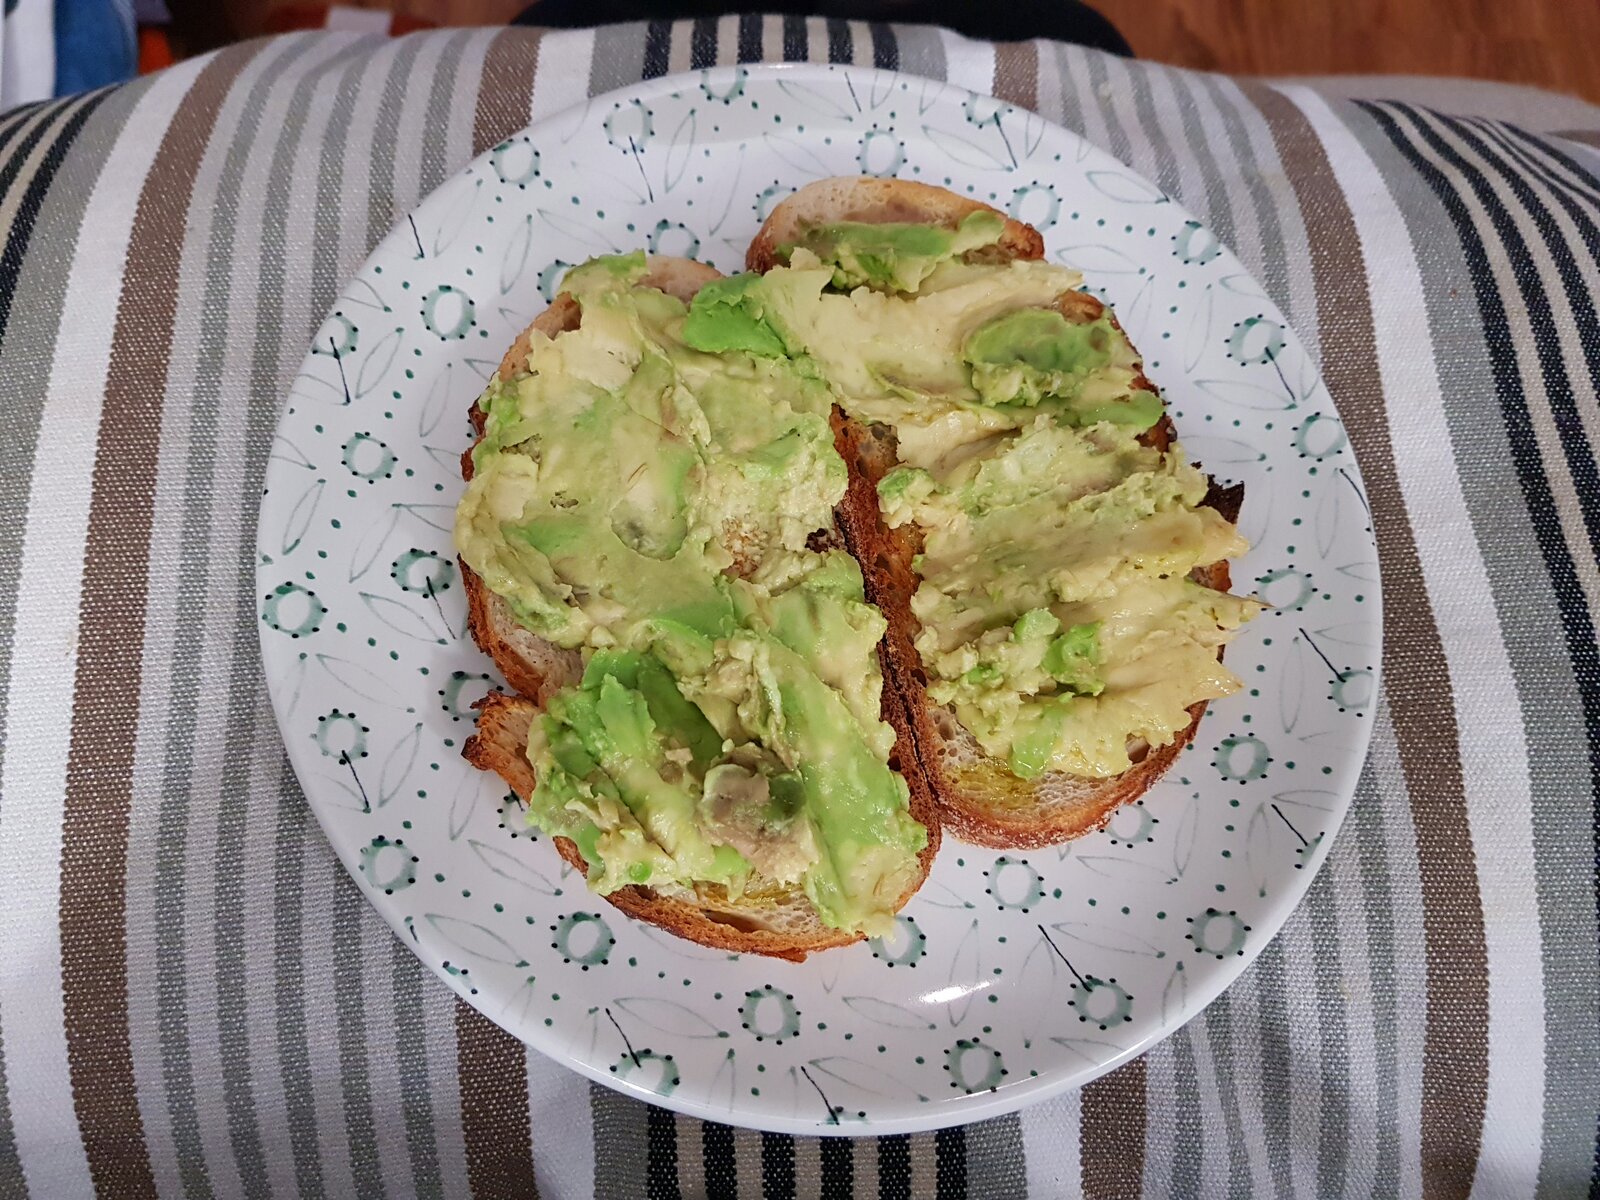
point(967, 63)
point(1302, 1034)
point(1166, 101)
point(1355, 980)
point(1095, 128)
point(1300, 301)
point(727, 40)
point(407, 177)
point(1410, 947)
point(1214, 1148)
point(1247, 240)
point(562, 79)
point(747, 1151)
point(923, 1154)
point(1245, 996)
point(44, 668)
point(1494, 767)
point(807, 1167)
point(1161, 1126)
point(1051, 1136)
point(444, 1091)
point(562, 1122)
point(861, 56)
point(387, 1099)
point(691, 1156)
point(323, 878)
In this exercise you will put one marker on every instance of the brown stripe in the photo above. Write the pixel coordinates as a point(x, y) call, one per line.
point(1016, 73)
point(505, 90)
point(1111, 1134)
point(105, 708)
point(492, 1069)
point(1455, 1060)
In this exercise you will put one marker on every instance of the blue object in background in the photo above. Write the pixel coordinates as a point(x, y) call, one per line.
point(96, 44)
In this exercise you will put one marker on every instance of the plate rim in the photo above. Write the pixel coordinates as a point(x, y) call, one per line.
point(960, 1110)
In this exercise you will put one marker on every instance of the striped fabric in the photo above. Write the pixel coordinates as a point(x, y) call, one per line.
point(196, 1001)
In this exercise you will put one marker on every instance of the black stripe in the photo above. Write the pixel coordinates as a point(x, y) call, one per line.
point(722, 1170)
point(894, 1168)
point(838, 1169)
point(777, 1166)
point(1502, 133)
point(1576, 620)
point(16, 119)
point(841, 46)
point(950, 1151)
point(796, 46)
point(32, 201)
point(749, 38)
point(19, 154)
point(703, 43)
point(661, 1161)
point(885, 47)
point(657, 47)
point(1561, 156)
point(1546, 337)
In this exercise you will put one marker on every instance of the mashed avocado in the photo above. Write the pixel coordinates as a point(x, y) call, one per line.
point(643, 492)
point(1057, 616)
point(895, 257)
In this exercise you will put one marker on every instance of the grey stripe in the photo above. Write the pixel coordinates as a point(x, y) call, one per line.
point(921, 50)
point(1188, 1127)
point(1394, 897)
point(1219, 1027)
point(1218, 206)
point(1546, 687)
point(1149, 125)
point(619, 1144)
point(1333, 1128)
point(416, 1100)
point(381, 208)
point(350, 1001)
point(997, 1162)
point(1277, 1064)
point(1103, 95)
point(438, 155)
point(1061, 57)
point(618, 57)
point(1284, 268)
point(294, 1048)
point(325, 265)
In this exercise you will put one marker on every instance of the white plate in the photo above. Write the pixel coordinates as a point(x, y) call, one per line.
point(1012, 976)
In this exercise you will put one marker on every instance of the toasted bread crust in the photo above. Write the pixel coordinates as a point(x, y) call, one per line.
point(978, 797)
point(782, 926)
point(878, 201)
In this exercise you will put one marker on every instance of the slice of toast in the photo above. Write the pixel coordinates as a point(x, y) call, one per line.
point(980, 800)
point(778, 922)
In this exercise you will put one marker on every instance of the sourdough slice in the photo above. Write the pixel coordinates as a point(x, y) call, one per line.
point(980, 800)
point(777, 922)
point(531, 665)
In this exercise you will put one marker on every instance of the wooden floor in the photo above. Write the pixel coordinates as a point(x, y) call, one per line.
point(1552, 43)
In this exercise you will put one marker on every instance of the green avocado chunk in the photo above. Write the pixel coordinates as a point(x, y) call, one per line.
point(894, 256)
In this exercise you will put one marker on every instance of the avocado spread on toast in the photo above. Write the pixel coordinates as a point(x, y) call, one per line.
point(648, 501)
point(1057, 615)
